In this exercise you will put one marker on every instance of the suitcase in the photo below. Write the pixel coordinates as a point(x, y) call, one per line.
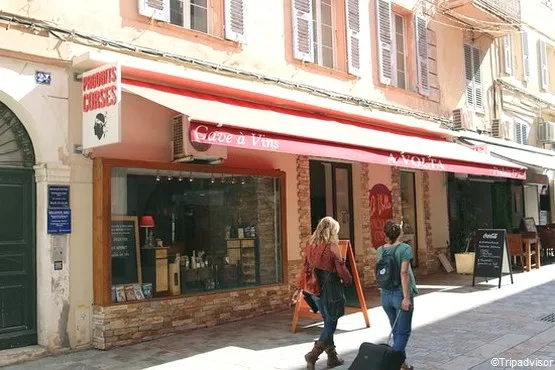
point(377, 357)
point(372, 356)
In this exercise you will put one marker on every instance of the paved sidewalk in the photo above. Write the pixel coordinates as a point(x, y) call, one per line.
point(455, 326)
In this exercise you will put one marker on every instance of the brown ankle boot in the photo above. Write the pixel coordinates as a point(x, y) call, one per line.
point(312, 356)
point(333, 359)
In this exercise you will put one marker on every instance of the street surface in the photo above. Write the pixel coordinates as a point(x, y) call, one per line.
point(455, 326)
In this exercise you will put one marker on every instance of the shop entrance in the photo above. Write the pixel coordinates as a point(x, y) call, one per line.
point(17, 234)
point(331, 194)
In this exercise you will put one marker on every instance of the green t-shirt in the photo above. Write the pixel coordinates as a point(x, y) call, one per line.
point(403, 253)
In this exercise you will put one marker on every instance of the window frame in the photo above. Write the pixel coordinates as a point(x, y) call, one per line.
point(395, 81)
point(317, 11)
point(187, 16)
point(102, 218)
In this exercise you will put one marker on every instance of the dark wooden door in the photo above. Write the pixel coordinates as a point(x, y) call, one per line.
point(17, 259)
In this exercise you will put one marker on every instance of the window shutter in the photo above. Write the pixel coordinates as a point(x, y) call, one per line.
point(518, 132)
point(155, 9)
point(352, 14)
point(476, 61)
point(235, 20)
point(421, 33)
point(525, 56)
point(508, 53)
point(303, 47)
point(385, 37)
point(525, 133)
point(469, 76)
point(544, 76)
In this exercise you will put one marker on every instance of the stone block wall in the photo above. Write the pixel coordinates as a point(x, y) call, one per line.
point(365, 255)
point(125, 324)
point(268, 222)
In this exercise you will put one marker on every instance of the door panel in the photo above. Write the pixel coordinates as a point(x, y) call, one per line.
point(17, 259)
point(343, 202)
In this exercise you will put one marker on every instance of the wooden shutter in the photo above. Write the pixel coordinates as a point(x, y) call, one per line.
point(544, 74)
point(518, 132)
point(235, 20)
point(352, 15)
point(525, 56)
point(303, 45)
point(478, 95)
point(385, 40)
point(508, 54)
point(421, 33)
point(155, 9)
point(468, 72)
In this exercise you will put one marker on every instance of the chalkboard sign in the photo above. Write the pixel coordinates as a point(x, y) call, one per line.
point(492, 257)
point(126, 256)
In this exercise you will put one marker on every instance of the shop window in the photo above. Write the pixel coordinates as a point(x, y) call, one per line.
point(408, 201)
point(180, 233)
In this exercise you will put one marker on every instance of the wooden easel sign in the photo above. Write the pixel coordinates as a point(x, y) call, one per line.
point(492, 258)
point(302, 309)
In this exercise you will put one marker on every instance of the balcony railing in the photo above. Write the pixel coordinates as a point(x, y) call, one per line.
point(508, 10)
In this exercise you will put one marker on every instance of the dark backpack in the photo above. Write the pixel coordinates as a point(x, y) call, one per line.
point(387, 271)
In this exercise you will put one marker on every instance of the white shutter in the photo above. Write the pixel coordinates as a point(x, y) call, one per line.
point(478, 94)
point(508, 54)
point(385, 37)
point(518, 132)
point(155, 9)
point(544, 73)
point(303, 46)
point(352, 15)
point(235, 20)
point(525, 56)
point(421, 33)
point(469, 76)
point(525, 133)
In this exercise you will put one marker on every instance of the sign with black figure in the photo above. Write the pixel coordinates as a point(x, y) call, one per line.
point(492, 258)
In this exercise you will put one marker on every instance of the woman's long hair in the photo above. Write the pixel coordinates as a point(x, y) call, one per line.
point(326, 233)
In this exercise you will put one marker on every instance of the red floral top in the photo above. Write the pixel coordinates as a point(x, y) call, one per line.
point(325, 258)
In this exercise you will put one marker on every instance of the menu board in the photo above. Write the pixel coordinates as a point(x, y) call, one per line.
point(126, 259)
point(492, 256)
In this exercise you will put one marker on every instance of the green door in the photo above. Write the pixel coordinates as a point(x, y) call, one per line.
point(17, 259)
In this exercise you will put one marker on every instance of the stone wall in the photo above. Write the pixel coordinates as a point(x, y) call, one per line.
point(365, 255)
point(267, 226)
point(125, 324)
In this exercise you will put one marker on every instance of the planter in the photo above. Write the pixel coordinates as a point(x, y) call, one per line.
point(464, 262)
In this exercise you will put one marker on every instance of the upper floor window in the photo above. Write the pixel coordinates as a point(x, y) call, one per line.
point(472, 63)
point(515, 56)
point(220, 18)
point(324, 35)
point(392, 38)
point(546, 58)
point(322, 17)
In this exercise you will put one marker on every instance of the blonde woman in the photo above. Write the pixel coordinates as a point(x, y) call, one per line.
point(322, 254)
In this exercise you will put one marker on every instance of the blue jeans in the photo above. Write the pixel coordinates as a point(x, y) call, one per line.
point(391, 303)
point(329, 325)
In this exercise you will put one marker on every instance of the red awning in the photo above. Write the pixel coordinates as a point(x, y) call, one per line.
point(224, 121)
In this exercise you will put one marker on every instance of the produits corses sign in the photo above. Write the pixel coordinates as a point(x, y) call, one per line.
point(101, 89)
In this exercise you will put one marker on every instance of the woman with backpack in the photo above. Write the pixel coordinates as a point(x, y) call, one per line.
point(322, 255)
point(398, 286)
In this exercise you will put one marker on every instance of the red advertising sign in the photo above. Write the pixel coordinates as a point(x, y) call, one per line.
point(381, 210)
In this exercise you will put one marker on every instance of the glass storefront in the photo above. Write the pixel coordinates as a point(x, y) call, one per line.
point(179, 233)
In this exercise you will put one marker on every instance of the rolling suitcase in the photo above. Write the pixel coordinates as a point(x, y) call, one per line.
point(378, 356)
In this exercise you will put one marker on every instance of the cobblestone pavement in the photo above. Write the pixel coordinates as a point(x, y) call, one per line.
point(455, 326)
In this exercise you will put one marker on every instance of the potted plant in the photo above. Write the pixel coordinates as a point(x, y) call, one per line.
point(464, 261)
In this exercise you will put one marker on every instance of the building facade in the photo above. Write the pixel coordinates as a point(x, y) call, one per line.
point(233, 127)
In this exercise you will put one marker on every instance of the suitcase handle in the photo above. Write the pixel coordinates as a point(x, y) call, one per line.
point(393, 327)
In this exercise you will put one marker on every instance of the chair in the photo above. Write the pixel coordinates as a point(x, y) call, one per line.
point(515, 248)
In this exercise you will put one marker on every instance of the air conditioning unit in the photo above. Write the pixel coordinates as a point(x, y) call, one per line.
point(546, 132)
point(185, 150)
point(463, 119)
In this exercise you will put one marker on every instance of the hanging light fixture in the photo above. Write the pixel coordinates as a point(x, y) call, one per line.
point(190, 176)
point(212, 179)
point(223, 179)
point(180, 177)
point(157, 176)
point(233, 180)
point(170, 177)
point(243, 181)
